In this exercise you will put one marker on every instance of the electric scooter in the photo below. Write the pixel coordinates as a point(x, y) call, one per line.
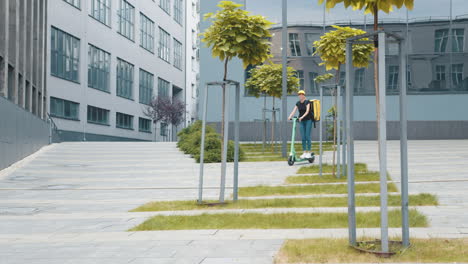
point(292, 154)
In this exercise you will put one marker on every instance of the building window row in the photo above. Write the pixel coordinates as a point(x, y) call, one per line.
point(64, 109)
point(124, 121)
point(65, 55)
point(146, 33)
point(165, 5)
point(164, 48)
point(177, 54)
point(178, 11)
point(144, 125)
point(163, 87)
point(124, 79)
point(146, 87)
point(126, 16)
point(100, 10)
point(98, 68)
point(442, 39)
point(98, 115)
point(75, 3)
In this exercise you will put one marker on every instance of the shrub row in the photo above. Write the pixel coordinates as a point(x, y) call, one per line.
point(190, 140)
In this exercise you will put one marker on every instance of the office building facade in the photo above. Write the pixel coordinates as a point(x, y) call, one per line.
point(109, 60)
point(437, 78)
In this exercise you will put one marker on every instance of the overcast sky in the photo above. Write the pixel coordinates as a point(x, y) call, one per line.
point(310, 11)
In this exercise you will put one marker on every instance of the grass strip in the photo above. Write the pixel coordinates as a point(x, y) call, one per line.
point(362, 201)
point(328, 178)
point(311, 189)
point(327, 168)
point(274, 221)
point(338, 251)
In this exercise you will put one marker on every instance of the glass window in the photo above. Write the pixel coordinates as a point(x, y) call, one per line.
point(300, 75)
point(458, 40)
point(165, 5)
point(441, 39)
point(164, 42)
point(313, 85)
point(126, 22)
point(124, 79)
point(177, 54)
point(75, 3)
point(163, 87)
point(146, 87)
point(98, 68)
point(98, 115)
point(124, 121)
point(178, 11)
point(359, 80)
point(392, 82)
point(146, 33)
point(440, 72)
point(64, 109)
point(294, 44)
point(65, 55)
point(457, 75)
point(100, 10)
point(309, 41)
point(144, 125)
point(163, 131)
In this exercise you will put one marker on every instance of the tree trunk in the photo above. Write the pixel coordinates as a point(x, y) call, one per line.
point(273, 124)
point(337, 82)
point(223, 104)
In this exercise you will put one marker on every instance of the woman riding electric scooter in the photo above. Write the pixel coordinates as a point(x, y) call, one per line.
point(303, 105)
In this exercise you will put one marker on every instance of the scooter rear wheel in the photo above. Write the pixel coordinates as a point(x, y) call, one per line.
point(311, 160)
point(291, 160)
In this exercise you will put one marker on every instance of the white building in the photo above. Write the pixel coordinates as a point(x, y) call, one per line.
point(193, 59)
point(109, 58)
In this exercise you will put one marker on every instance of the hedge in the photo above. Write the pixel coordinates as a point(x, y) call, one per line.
point(190, 140)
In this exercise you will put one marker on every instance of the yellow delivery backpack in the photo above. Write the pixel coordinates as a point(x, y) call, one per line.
point(315, 110)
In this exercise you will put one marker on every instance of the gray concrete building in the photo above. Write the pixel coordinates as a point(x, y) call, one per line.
point(437, 77)
point(23, 84)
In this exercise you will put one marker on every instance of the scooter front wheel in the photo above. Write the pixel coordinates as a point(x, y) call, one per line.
point(291, 160)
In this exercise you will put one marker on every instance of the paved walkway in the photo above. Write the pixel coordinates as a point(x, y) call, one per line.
point(69, 204)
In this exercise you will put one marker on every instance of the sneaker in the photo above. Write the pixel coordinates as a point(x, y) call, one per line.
point(308, 156)
point(303, 155)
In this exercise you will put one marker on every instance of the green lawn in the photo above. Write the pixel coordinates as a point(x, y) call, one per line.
point(361, 201)
point(329, 178)
point(327, 168)
point(255, 152)
point(311, 189)
point(274, 221)
point(337, 251)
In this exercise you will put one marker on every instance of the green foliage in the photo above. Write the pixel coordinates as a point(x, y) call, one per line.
point(267, 79)
point(323, 78)
point(190, 141)
point(236, 33)
point(332, 48)
point(371, 5)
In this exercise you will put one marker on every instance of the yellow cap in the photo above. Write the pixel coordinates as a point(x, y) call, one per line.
point(301, 92)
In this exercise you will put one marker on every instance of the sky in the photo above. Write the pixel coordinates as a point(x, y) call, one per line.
point(310, 11)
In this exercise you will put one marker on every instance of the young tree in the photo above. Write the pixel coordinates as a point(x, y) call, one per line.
point(236, 33)
point(267, 79)
point(163, 109)
point(332, 50)
point(373, 7)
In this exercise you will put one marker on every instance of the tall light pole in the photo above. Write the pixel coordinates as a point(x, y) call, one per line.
point(285, 81)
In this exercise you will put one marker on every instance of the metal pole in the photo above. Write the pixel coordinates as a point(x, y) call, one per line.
point(343, 111)
point(383, 145)
point(225, 148)
point(236, 145)
point(321, 128)
point(350, 140)
point(338, 132)
point(284, 56)
point(404, 146)
point(202, 145)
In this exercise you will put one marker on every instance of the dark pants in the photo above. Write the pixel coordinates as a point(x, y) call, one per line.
point(306, 131)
